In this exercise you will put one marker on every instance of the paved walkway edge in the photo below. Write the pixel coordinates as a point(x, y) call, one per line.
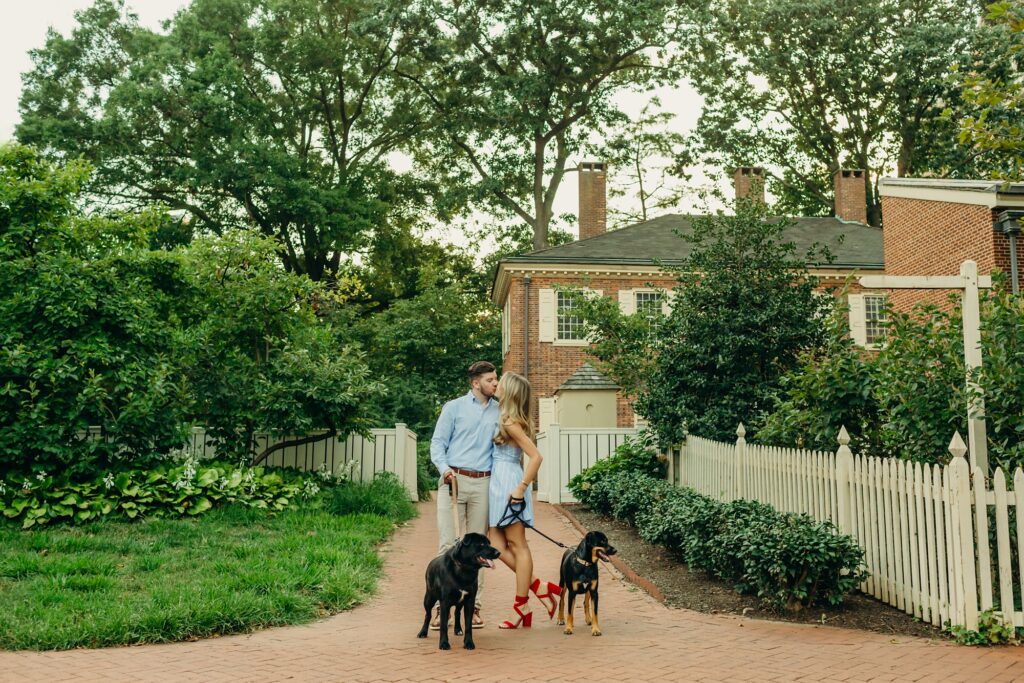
point(617, 562)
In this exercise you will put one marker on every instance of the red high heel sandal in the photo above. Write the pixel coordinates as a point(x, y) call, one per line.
point(554, 590)
point(525, 618)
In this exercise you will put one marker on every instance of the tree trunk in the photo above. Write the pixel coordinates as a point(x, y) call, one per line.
point(543, 217)
point(329, 434)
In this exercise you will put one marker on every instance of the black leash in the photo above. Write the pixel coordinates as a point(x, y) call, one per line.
point(514, 510)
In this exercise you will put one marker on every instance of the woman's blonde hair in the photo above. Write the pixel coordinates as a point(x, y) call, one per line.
point(514, 406)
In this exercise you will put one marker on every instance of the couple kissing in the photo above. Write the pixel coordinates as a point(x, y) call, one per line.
point(479, 444)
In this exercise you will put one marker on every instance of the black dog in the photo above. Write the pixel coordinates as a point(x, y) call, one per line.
point(451, 579)
point(579, 575)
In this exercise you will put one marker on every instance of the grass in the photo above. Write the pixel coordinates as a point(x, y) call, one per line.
point(231, 570)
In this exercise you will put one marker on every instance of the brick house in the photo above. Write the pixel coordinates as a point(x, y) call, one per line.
point(543, 341)
point(933, 225)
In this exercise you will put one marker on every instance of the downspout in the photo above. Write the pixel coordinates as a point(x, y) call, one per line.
point(1008, 223)
point(526, 326)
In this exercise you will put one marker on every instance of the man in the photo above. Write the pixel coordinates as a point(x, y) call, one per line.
point(462, 448)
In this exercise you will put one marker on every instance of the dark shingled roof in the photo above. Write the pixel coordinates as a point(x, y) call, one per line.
point(851, 244)
point(587, 377)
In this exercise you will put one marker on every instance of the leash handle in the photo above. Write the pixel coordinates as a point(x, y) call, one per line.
point(453, 494)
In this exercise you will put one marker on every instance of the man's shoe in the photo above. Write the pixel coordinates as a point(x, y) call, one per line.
point(435, 623)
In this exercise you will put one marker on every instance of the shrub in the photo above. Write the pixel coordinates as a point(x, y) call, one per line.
point(384, 496)
point(789, 561)
point(174, 488)
point(636, 454)
point(426, 473)
point(794, 561)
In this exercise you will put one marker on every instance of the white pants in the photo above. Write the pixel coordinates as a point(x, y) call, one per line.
point(472, 510)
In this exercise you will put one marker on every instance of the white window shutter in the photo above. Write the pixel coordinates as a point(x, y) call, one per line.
point(593, 294)
point(546, 315)
point(627, 301)
point(858, 320)
point(546, 412)
point(668, 301)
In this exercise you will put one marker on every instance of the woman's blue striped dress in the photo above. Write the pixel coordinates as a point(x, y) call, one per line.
point(506, 475)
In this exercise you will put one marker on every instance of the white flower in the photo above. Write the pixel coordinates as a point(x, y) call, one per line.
point(180, 484)
point(41, 476)
point(3, 488)
point(310, 488)
point(108, 480)
point(223, 483)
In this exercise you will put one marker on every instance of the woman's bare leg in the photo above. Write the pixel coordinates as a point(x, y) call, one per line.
point(515, 538)
point(497, 539)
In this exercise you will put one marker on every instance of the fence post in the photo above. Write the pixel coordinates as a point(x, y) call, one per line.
point(555, 466)
point(963, 533)
point(739, 462)
point(844, 473)
point(405, 473)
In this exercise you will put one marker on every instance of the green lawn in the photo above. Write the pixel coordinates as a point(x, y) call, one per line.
point(230, 570)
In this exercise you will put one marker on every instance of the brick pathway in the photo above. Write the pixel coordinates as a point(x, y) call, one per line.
point(642, 641)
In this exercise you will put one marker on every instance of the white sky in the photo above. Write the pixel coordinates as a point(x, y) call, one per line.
point(23, 26)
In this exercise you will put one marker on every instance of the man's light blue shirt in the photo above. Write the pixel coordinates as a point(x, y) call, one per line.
point(464, 434)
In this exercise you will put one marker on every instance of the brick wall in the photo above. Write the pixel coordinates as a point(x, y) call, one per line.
point(924, 237)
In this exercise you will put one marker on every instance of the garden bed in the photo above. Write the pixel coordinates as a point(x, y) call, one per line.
point(696, 591)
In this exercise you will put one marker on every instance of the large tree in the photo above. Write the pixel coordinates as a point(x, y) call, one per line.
point(810, 86)
point(994, 127)
point(521, 86)
point(279, 114)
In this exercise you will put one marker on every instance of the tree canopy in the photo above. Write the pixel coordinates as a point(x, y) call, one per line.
point(809, 87)
point(277, 114)
point(520, 87)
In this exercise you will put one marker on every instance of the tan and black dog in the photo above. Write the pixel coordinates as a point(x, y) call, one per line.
point(452, 581)
point(579, 575)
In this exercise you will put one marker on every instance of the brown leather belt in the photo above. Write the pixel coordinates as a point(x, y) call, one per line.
point(473, 474)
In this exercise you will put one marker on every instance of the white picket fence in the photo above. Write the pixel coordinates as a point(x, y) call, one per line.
point(925, 529)
point(388, 450)
point(569, 451)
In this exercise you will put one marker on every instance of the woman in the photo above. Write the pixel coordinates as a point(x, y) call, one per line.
point(510, 484)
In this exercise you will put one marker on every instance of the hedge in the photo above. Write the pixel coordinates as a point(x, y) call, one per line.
point(790, 561)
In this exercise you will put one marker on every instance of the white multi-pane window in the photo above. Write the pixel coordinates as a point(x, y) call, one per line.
point(569, 326)
point(874, 318)
point(651, 306)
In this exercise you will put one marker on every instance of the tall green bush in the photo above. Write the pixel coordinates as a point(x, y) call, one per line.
point(88, 327)
point(833, 386)
point(909, 398)
point(98, 327)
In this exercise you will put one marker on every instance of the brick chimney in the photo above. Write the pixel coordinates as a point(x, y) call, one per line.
point(593, 200)
point(749, 183)
point(850, 196)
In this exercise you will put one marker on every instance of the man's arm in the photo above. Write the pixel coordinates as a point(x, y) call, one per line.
point(442, 438)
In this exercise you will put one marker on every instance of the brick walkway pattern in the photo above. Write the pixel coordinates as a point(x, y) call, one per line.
point(642, 641)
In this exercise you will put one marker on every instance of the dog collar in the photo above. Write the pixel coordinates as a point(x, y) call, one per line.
point(582, 561)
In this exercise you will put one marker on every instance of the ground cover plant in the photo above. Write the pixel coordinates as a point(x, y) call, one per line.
point(232, 569)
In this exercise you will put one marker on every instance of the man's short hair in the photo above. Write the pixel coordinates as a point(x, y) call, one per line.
point(481, 367)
